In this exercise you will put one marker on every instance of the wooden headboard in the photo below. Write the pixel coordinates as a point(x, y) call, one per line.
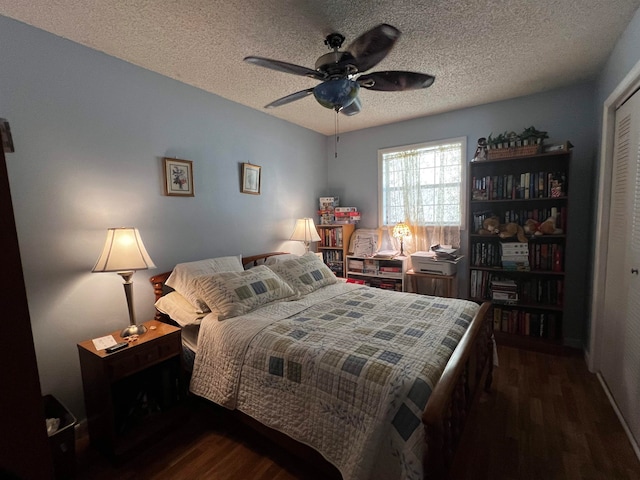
point(158, 280)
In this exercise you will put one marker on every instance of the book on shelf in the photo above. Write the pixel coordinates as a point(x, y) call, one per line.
point(521, 322)
point(525, 185)
point(514, 248)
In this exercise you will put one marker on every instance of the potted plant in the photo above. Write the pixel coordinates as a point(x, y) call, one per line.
point(532, 136)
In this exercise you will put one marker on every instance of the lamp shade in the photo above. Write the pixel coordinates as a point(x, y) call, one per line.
point(123, 251)
point(305, 231)
point(401, 230)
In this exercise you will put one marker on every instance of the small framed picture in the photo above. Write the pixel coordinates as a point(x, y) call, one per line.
point(178, 177)
point(5, 136)
point(250, 179)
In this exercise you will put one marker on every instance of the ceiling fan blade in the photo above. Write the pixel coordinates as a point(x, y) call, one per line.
point(353, 108)
point(290, 98)
point(286, 67)
point(371, 47)
point(395, 81)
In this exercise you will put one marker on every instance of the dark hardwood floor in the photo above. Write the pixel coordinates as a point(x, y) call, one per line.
point(546, 417)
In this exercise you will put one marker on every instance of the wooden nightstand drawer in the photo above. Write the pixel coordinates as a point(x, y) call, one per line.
point(135, 358)
point(121, 365)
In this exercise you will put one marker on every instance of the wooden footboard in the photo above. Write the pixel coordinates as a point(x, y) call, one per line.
point(468, 372)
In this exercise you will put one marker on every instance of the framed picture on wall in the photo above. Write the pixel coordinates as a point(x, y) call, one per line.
point(250, 179)
point(178, 177)
point(5, 136)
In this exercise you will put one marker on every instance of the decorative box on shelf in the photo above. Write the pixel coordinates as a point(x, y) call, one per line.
point(509, 152)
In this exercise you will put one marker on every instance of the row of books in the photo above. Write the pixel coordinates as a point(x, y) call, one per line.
point(540, 257)
point(520, 186)
point(520, 216)
point(544, 291)
point(330, 237)
point(336, 267)
point(372, 266)
point(384, 283)
point(332, 256)
point(547, 257)
point(522, 322)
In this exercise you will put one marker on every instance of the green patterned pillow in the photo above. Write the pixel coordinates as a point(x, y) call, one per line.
point(230, 294)
point(305, 274)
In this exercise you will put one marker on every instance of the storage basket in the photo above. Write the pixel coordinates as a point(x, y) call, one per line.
point(497, 153)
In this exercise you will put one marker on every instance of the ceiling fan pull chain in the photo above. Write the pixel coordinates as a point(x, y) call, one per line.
point(337, 138)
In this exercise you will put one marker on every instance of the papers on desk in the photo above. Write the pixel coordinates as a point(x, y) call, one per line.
point(104, 342)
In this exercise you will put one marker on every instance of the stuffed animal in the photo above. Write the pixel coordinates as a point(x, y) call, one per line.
point(492, 226)
point(509, 230)
point(548, 227)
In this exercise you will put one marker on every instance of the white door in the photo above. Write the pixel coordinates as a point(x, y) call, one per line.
point(621, 348)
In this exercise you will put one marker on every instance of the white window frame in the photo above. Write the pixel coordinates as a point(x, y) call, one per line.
point(463, 173)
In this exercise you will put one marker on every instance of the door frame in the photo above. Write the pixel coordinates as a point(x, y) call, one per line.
point(625, 89)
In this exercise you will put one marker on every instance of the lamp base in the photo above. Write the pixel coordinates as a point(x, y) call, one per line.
point(133, 330)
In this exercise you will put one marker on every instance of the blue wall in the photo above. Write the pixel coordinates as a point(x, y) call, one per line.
point(90, 132)
point(567, 114)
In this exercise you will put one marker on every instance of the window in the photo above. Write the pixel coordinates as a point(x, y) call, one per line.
point(423, 186)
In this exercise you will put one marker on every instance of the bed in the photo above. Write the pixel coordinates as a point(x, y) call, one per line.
point(378, 382)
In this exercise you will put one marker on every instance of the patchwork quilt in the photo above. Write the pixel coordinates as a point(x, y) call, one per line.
point(347, 369)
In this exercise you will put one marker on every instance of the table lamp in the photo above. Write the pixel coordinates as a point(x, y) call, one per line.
point(124, 253)
point(305, 231)
point(400, 231)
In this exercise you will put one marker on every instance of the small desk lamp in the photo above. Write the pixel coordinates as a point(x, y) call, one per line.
point(124, 253)
point(305, 231)
point(400, 231)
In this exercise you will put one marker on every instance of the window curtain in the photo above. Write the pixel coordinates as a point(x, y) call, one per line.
point(429, 182)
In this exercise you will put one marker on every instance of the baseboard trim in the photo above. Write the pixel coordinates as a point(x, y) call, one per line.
point(632, 440)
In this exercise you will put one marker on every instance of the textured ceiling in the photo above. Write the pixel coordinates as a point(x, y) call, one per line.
point(480, 51)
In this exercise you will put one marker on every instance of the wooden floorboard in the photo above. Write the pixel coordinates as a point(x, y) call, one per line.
point(546, 417)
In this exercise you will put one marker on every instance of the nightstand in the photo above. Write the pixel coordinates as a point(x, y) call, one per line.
point(449, 281)
point(134, 393)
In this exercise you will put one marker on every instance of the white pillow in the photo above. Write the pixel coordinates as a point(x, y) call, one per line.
point(305, 274)
point(280, 258)
point(179, 309)
point(235, 293)
point(181, 279)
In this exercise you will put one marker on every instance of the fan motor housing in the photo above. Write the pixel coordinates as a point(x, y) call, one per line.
point(334, 64)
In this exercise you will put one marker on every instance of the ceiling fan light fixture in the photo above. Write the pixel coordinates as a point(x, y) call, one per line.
point(336, 93)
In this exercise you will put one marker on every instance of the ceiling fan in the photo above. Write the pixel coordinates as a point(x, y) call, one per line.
point(341, 71)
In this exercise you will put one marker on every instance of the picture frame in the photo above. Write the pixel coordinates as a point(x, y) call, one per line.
point(178, 177)
point(6, 142)
point(251, 179)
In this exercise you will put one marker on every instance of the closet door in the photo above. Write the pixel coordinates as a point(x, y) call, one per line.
point(621, 348)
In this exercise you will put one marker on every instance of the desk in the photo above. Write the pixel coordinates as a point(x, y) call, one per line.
point(449, 281)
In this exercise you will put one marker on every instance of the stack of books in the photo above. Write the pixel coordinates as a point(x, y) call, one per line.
point(515, 256)
point(504, 292)
point(326, 209)
point(345, 215)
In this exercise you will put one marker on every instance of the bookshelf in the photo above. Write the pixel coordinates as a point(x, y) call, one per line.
point(387, 273)
point(528, 287)
point(334, 245)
